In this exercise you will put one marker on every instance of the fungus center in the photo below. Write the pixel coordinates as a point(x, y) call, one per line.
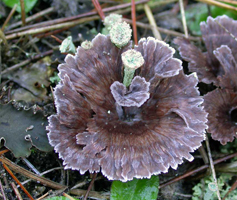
point(130, 115)
point(129, 100)
point(233, 115)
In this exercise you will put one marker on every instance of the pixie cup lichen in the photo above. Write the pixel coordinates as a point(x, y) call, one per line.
point(132, 60)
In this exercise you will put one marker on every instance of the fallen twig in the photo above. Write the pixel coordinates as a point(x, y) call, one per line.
point(99, 9)
point(31, 166)
point(53, 27)
point(84, 183)
point(2, 191)
point(233, 187)
point(187, 174)
point(9, 17)
point(73, 18)
point(31, 18)
point(17, 193)
point(217, 3)
point(212, 168)
point(229, 1)
point(92, 194)
point(23, 14)
point(4, 39)
point(17, 66)
point(18, 182)
point(31, 175)
point(68, 196)
point(163, 30)
point(181, 5)
point(134, 26)
point(152, 22)
point(43, 173)
point(203, 154)
point(43, 196)
point(90, 186)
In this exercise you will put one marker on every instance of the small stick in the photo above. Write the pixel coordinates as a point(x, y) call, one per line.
point(134, 27)
point(92, 194)
point(43, 35)
point(32, 42)
point(18, 182)
point(152, 22)
point(18, 195)
point(33, 17)
point(67, 19)
point(57, 39)
point(216, 3)
point(203, 154)
point(84, 183)
point(162, 30)
point(51, 89)
point(229, 1)
point(9, 91)
point(4, 151)
point(0, 60)
point(2, 190)
point(181, 5)
point(99, 9)
point(3, 38)
point(17, 66)
point(187, 174)
point(42, 180)
point(43, 173)
point(226, 30)
point(43, 196)
point(212, 168)
point(68, 178)
point(9, 16)
point(233, 187)
point(90, 186)
point(53, 27)
point(31, 166)
point(68, 196)
point(23, 14)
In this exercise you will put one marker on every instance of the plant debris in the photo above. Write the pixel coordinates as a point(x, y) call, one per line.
point(21, 129)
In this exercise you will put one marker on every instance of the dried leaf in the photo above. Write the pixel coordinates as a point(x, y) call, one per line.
point(20, 129)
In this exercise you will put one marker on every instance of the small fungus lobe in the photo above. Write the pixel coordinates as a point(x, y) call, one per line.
point(136, 96)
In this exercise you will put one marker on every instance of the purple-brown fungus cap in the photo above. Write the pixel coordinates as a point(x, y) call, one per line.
point(125, 132)
point(217, 65)
point(221, 104)
point(214, 35)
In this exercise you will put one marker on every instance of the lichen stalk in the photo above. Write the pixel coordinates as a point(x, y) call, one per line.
point(132, 60)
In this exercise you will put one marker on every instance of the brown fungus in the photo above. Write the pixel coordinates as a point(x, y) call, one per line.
point(221, 104)
point(218, 66)
point(214, 35)
point(125, 132)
